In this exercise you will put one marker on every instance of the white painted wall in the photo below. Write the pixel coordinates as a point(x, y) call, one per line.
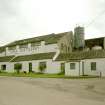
point(40, 49)
point(73, 72)
point(55, 67)
point(52, 67)
point(100, 66)
point(9, 66)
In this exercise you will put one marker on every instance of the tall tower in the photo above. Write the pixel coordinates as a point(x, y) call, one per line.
point(79, 41)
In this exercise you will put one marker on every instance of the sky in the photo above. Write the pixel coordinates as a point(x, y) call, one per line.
point(21, 19)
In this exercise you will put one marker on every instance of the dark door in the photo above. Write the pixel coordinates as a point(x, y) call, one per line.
point(62, 67)
point(83, 68)
point(30, 67)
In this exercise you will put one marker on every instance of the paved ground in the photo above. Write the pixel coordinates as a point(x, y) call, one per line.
point(43, 91)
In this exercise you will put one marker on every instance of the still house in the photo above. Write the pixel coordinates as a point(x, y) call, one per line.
point(68, 52)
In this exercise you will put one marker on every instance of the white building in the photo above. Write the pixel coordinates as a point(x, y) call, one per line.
point(56, 53)
point(83, 63)
point(32, 53)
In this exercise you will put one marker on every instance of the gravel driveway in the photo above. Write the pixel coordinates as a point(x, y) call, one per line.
point(47, 91)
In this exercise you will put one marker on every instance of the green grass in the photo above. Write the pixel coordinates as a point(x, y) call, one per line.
point(33, 75)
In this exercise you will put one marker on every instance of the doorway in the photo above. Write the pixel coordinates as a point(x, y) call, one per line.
point(83, 68)
point(63, 68)
point(30, 67)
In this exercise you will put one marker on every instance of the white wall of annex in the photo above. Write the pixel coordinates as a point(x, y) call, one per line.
point(9, 66)
point(100, 66)
point(52, 67)
point(40, 49)
point(74, 72)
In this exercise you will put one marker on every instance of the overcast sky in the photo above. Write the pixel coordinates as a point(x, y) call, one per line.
point(29, 18)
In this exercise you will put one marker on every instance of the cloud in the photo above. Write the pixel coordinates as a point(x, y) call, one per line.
point(8, 8)
point(97, 18)
point(8, 14)
point(29, 18)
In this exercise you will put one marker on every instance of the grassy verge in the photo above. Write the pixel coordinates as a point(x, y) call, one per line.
point(33, 75)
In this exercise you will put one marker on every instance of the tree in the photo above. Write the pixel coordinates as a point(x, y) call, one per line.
point(18, 67)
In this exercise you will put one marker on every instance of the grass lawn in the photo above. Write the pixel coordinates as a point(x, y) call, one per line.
point(33, 75)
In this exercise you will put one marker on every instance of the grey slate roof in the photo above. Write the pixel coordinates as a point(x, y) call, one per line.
point(6, 58)
point(81, 55)
point(39, 56)
point(2, 49)
point(95, 41)
point(49, 39)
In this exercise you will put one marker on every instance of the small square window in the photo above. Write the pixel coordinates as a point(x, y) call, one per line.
point(72, 66)
point(93, 65)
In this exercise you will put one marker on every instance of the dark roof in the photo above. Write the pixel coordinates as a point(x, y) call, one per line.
point(39, 56)
point(95, 41)
point(81, 55)
point(6, 58)
point(2, 49)
point(49, 39)
point(69, 56)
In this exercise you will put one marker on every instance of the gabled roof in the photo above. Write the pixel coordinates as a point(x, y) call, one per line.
point(6, 58)
point(69, 56)
point(49, 39)
point(2, 49)
point(94, 41)
point(79, 55)
point(39, 56)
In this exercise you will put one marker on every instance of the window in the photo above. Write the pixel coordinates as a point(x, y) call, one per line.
point(23, 47)
point(72, 66)
point(62, 67)
point(35, 46)
point(93, 65)
point(12, 48)
point(42, 66)
point(3, 67)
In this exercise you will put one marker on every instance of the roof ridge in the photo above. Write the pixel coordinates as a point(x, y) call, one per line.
point(50, 38)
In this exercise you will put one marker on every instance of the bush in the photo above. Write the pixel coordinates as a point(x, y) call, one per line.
point(24, 72)
point(61, 73)
point(39, 73)
point(42, 67)
point(18, 67)
point(2, 71)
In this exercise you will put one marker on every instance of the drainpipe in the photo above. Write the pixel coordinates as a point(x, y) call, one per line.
point(79, 68)
point(56, 55)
